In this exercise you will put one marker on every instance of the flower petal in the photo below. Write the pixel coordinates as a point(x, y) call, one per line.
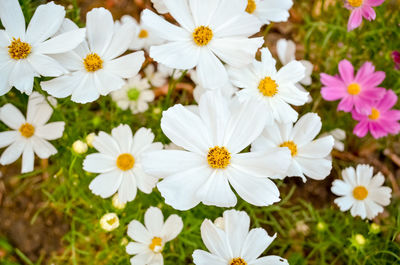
point(12, 18)
point(13, 152)
point(99, 163)
point(51, 131)
point(126, 66)
point(172, 227)
point(106, 184)
point(11, 116)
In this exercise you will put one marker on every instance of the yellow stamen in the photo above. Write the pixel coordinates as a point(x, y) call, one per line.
point(292, 147)
point(268, 87)
point(112, 221)
point(237, 261)
point(93, 62)
point(143, 34)
point(202, 35)
point(251, 6)
point(218, 157)
point(375, 114)
point(360, 193)
point(27, 130)
point(355, 3)
point(125, 161)
point(19, 50)
point(156, 244)
point(354, 89)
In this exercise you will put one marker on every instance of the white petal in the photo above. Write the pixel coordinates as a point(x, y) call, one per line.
point(270, 260)
point(7, 138)
point(154, 220)
point(179, 9)
point(126, 66)
point(349, 176)
point(358, 209)
point(255, 244)
point(144, 182)
point(201, 257)
point(22, 77)
point(107, 82)
point(372, 209)
point(345, 203)
point(315, 168)
point(121, 40)
point(51, 131)
point(381, 195)
point(28, 158)
point(62, 43)
point(157, 259)
point(286, 50)
point(5, 70)
point(100, 29)
point(63, 86)
point(364, 174)
point(45, 22)
point(11, 116)
point(12, 18)
point(106, 184)
point(87, 90)
point(203, 10)
point(128, 189)
point(341, 188)
point(138, 232)
point(142, 258)
point(215, 240)
point(142, 141)
point(43, 148)
point(13, 152)
point(237, 226)
point(123, 136)
point(186, 129)
point(70, 60)
point(306, 128)
point(99, 163)
point(45, 65)
point(318, 148)
point(134, 248)
point(241, 25)
point(106, 144)
point(227, 10)
point(172, 227)
point(210, 70)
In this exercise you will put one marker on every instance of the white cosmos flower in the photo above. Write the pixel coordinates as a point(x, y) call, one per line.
point(96, 65)
point(119, 163)
point(361, 192)
point(135, 95)
point(109, 222)
point(234, 244)
point(156, 78)
point(151, 238)
point(144, 38)
point(24, 52)
point(211, 31)
point(308, 155)
point(339, 136)
point(275, 89)
point(269, 10)
point(31, 135)
point(214, 139)
point(160, 6)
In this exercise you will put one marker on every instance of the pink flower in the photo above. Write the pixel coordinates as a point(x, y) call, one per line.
point(360, 9)
point(382, 120)
point(396, 59)
point(359, 91)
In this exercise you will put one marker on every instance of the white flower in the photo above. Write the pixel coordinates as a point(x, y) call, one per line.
point(160, 6)
point(120, 163)
point(150, 240)
point(24, 53)
point(308, 156)
point(211, 31)
point(96, 66)
point(89, 139)
point(269, 10)
point(79, 147)
point(109, 221)
point(144, 38)
point(361, 192)
point(30, 135)
point(275, 89)
point(135, 95)
point(339, 136)
point(156, 78)
point(214, 139)
point(116, 203)
point(235, 244)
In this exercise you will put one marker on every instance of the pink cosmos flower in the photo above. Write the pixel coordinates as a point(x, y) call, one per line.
point(360, 9)
point(382, 120)
point(396, 59)
point(358, 91)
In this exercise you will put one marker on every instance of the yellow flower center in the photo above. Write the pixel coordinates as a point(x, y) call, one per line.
point(291, 145)
point(251, 6)
point(143, 34)
point(354, 89)
point(375, 114)
point(202, 35)
point(360, 193)
point(218, 157)
point(125, 161)
point(18, 49)
point(355, 3)
point(268, 87)
point(27, 130)
point(112, 220)
point(238, 261)
point(156, 244)
point(93, 62)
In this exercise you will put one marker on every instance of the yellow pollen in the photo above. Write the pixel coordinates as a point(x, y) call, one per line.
point(360, 193)
point(93, 62)
point(375, 114)
point(143, 34)
point(268, 87)
point(27, 130)
point(156, 244)
point(125, 161)
point(238, 261)
point(251, 6)
point(202, 35)
point(354, 89)
point(18, 49)
point(355, 3)
point(292, 147)
point(112, 221)
point(218, 157)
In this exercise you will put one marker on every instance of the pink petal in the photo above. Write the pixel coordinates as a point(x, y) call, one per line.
point(374, 2)
point(393, 115)
point(346, 104)
point(373, 94)
point(359, 116)
point(355, 19)
point(362, 105)
point(390, 126)
point(361, 129)
point(376, 130)
point(346, 71)
point(366, 69)
point(388, 101)
point(368, 13)
point(333, 81)
point(332, 93)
